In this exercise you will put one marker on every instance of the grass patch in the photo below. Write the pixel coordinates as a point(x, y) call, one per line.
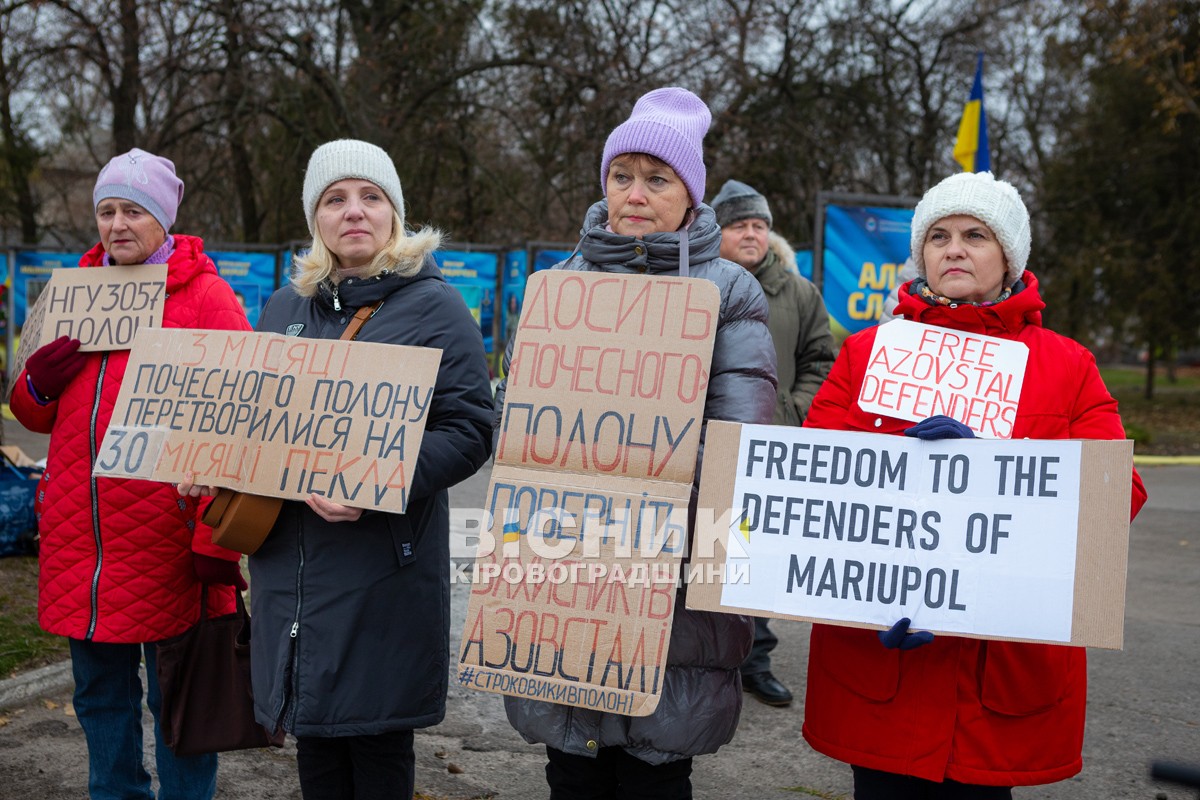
point(23, 644)
point(1168, 425)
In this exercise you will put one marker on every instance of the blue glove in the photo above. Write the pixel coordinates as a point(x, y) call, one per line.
point(898, 636)
point(940, 427)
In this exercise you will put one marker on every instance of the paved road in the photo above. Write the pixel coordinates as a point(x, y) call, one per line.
point(1144, 703)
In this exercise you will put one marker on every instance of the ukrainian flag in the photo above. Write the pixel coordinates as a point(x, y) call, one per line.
point(971, 147)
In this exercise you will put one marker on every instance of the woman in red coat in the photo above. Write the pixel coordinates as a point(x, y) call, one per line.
point(122, 562)
point(951, 717)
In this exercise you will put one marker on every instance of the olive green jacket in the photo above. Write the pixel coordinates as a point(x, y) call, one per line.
point(799, 326)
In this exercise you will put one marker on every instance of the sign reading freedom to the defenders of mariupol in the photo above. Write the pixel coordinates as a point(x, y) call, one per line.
point(917, 371)
point(1019, 539)
point(103, 307)
point(272, 415)
point(576, 574)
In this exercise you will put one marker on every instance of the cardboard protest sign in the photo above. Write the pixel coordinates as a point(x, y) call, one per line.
point(31, 339)
point(102, 307)
point(917, 371)
point(575, 580)
point(272, 415)
point(1023, 540)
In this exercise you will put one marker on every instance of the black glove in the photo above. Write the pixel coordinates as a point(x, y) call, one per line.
point(54, 365)
point(898, 636)
point(940, 427)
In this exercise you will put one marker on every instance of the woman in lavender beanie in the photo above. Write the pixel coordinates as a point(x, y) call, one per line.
point(123, 562)
point(652, 223)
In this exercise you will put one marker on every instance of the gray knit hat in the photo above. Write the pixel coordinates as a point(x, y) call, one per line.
point(976, 194)
point(349, 158)
point(738, 201)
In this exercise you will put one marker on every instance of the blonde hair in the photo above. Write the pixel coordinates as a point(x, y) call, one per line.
point(403, 253)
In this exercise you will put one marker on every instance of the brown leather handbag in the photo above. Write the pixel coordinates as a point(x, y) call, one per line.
point(241, 521)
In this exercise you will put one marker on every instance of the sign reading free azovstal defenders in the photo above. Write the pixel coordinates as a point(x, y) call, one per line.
point(575, 580)
point(272, 415)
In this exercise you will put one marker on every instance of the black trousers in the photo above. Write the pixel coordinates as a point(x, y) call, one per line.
point(379, 767)
point(873, 784)
point(615, 775)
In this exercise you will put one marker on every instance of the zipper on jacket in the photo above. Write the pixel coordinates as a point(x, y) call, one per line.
point(337, 306)
point(92, 448)
point(292, 677)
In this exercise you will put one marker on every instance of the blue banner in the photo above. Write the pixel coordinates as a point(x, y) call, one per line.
point(804, 262)
point(516, 267)
point(475, 270)
point(865, 249)
point(545, 259)
point(31, 273)
point(252, 276)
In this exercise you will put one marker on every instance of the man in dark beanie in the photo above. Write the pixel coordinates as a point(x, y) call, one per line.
point(804, 350)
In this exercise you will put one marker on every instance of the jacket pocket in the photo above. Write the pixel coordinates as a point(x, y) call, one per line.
point(787, 414)
point(856, 660)
point(1022, 679)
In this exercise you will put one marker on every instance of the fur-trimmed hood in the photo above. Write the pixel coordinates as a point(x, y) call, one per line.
point(787, 255)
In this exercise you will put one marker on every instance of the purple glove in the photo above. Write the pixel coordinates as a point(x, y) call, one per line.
point(940, 427)
point(210, 569)
point(53, 366)
point(898, 636)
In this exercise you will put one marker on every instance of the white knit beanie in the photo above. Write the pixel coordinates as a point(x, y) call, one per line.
point(976, 194)
point(349, 158)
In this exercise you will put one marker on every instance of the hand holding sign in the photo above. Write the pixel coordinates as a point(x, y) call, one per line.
point(940, 427)
point(53, 366)
point(897, 637)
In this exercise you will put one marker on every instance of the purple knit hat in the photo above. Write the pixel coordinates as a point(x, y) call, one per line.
point(145, 179)
point(667, 123)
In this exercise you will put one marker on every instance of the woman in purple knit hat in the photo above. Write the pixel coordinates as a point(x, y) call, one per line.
point(652, 222)
point(122, 562)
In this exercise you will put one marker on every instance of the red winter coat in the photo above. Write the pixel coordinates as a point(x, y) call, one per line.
point(968, 710)
point(116, 554)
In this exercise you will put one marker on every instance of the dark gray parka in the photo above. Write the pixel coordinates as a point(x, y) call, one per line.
point(701, 693)
point(351, 619)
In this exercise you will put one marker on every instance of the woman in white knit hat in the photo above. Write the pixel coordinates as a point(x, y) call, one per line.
point(950, 717)
point(351, 608)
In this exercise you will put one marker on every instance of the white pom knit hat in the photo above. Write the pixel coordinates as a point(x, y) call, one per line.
point(976, 194)
point(349, 158)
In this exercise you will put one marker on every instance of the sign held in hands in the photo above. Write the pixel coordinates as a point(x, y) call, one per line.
point(272, 415)
point(1024, 539)
point(575, 578)
point(102, 307)
point(917, 371)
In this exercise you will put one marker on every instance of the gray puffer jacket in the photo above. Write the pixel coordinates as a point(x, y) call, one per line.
point(701, 692)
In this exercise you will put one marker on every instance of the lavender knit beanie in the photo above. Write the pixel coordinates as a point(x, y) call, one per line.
point(145, 179)
point(669, 124)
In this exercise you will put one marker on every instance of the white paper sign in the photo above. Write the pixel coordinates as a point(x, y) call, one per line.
point(966, 536)
point(918, 371)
